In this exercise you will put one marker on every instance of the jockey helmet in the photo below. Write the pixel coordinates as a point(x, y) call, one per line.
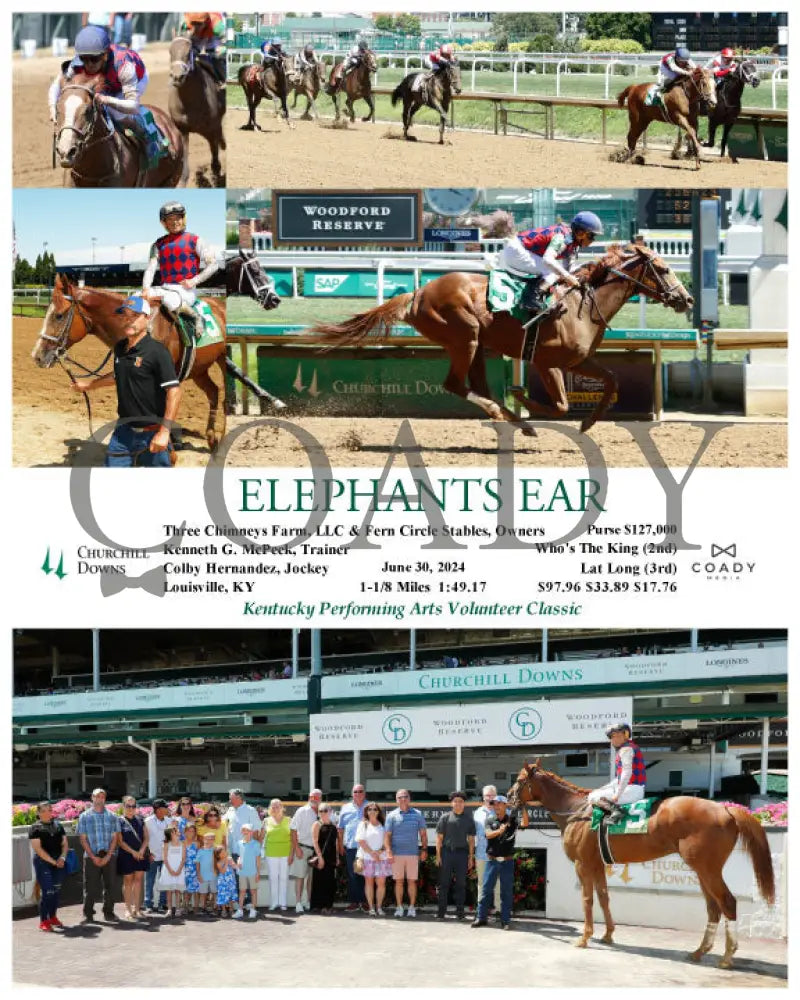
point(199, 18)
point(618, 727)
point(682, 53)
point(171, 208)
point(447, 50)
point(309, 50)
point(92, 41)
point(276, 42)
point(727, 53)
point(362, 45)
point(588, 222)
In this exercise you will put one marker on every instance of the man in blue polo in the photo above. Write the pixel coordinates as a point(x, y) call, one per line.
point(148, 393)
point(351, 815)
point(99, 834)
point(406, 843)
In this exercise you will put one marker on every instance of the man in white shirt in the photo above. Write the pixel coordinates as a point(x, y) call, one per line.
point(238, 815)
point(155, 824)
point(303, 847)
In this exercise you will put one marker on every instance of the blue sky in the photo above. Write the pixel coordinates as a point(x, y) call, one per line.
point(68, 219)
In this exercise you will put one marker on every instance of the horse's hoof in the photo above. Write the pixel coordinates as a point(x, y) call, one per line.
point(694, 956)
point(726, 963)
point(607, 938)
point(410, 138)
point(581, 943)
point(639, 160)
point(529, 432)
point(707, 145)
point(586, 424)
point(674, 156)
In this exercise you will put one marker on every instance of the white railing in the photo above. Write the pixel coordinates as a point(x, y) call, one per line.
point(778, 74)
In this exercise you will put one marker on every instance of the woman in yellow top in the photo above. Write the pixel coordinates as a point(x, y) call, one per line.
point(213, 823)
point(278, 850)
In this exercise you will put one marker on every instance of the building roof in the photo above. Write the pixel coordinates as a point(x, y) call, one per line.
point(340, 25)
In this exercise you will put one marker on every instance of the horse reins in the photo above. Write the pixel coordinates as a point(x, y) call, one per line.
point(257, 286)
point(85, 136)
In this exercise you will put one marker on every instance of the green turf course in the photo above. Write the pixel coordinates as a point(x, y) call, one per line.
point(309, 311)
point(570, 122)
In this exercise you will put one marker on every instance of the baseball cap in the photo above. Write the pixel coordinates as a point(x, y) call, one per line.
point(500, 798)
point(136, 304)
point(246, 826)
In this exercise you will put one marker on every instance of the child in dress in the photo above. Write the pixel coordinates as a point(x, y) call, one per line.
point(206, 874)
point(225, 867)
point(172, 874)
point(190, 867)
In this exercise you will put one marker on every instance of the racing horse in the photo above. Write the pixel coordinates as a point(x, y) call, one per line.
point(702, 832)
point(680, 106)
point(196, 103)
point(356, 85)
point(96, 154)
point(260, 81)
point(431, 90)
point(244, 275)
point(75, 312)
point(308, 84)
point(729, 102)
point(452, 311)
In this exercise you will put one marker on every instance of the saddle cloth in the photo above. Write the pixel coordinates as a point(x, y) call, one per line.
point(212, 332)
point(637, 816)
point(654, 98)
point(503, 294)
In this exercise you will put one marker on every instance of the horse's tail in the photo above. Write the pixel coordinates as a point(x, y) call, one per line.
point(755, 842)
point(399, 92)
point(622, 96)
point(377, 323)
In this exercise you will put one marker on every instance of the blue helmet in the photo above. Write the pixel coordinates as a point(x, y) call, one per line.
point(682, 53)
point(588, 222)
point(276, 41)
point(92, 41)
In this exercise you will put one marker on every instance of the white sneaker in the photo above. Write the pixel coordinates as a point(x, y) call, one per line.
point(373, 913)
point(379, 912)
point(252, 913)
point(284, 909)
point(274, 907)
point(238, 915)
point(399, 911)
point(411, 912)
point(298, 908)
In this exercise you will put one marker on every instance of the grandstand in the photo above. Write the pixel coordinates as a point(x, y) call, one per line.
point(171, 712)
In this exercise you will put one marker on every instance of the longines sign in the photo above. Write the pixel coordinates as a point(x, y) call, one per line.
point(514, 724)
point(347, 218)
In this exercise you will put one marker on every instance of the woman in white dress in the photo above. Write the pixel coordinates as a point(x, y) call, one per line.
point(373, 856)
point(173, 879)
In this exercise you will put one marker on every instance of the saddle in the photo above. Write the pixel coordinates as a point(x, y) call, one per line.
point(619, 820)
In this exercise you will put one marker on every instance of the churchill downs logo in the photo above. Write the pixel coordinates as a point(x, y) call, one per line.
point(397, 729)
point(524, 724)
point(723, 564)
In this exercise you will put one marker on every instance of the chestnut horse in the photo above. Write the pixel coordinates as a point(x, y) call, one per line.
point(97, 154)
point(75, 312)
point(451, 311)
point(680, 106)
point(260, 81)
point(196, 104)
point(356, 85)
point(702, 832)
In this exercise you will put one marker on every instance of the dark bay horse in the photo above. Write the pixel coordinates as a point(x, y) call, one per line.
point(260, 81)
point(434, 90)
point(702, 832)
point(451, 311)
point(356, 85)
point(76, 312)
point(244, 275)
point(729, 102)
point(97, 154)
point(196, 103)
point(681, 106)
point(308, 84)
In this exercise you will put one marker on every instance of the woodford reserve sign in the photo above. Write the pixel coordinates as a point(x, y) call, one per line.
point(347, 218)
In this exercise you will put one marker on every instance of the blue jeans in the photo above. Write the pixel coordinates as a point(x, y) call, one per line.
point(128, 448)
point(150, 877)
point(49, 878)
point(504, 871)
point(355, 882)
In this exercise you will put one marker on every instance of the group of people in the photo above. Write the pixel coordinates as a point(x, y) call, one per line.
point(191, 864)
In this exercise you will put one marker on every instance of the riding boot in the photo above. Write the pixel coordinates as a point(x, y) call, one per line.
point(149, 140)
point(532, 298)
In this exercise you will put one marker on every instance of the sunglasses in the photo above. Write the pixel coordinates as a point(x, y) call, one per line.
point(372, 809)
point(324, 810)
point(404, 796)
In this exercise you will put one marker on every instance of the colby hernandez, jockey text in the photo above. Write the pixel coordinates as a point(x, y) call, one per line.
point(548, 252)
point(125, 82)
point(183, 261)
point(630, 774)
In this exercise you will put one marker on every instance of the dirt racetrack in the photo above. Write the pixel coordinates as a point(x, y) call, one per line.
point(50, 423)
point(349, 441)
point(33, 133)
point(363, 154)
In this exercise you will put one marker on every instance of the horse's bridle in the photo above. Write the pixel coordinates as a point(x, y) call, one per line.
point(259, 288)
point(85, 136)
point(662, 293)
point(186, 66)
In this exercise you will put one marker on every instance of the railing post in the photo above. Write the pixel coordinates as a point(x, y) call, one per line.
point(562, 62)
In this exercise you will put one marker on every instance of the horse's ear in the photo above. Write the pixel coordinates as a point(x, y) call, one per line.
point(537, 763)
point(242, 254)
point(65, 66)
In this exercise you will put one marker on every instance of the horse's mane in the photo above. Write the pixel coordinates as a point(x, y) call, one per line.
point(568, 785)
point(594, 272)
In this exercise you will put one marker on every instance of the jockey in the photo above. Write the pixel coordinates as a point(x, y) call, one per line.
point(207, 32)
point(548, 252)
point(125, 82)
point(722, 64)
point(305, 59)
point(272, 51)
point(630, 774)
point(178, 257)
point(675, 66)
point(354, 58)
point(443, 57)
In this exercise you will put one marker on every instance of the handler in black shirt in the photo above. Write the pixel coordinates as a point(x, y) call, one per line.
point(501, 830)
point(148, 392)
point(49, 842)
point(455, 853)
